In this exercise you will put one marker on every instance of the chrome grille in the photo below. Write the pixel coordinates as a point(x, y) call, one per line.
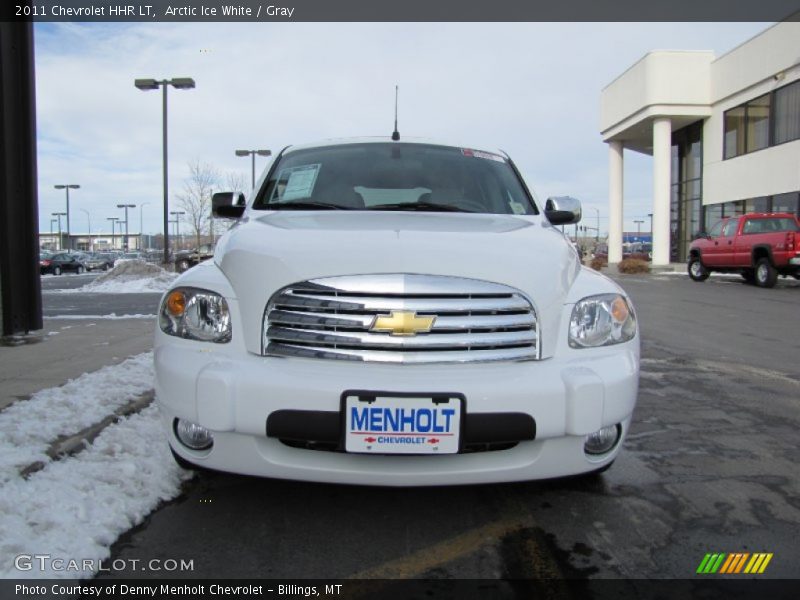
point(332, 318)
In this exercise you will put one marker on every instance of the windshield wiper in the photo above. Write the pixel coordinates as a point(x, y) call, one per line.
point(421, 206)
point(306, 205)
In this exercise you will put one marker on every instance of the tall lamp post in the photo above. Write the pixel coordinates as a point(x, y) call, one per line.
point(597, 231)
point(126, 207)
point(638, 229)
point(52, 222)
point(59, 215)
point(253, 153)
point(67, 187)
point(113, 233)
point(141, 224)
point(177, 214)
point(89, 219)
point(179, 83)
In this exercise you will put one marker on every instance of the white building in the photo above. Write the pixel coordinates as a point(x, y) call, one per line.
point(724, 133)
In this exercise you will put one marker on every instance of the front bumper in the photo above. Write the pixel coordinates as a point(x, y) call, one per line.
point(233, 392)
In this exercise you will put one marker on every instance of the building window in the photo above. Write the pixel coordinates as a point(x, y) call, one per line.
point(758, 123)
point(734, 132)
point(760, 204)
point(787, 113)
point(789, 203)
point(771, 119)
point(686, 189)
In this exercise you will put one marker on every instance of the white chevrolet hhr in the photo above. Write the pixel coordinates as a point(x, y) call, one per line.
point(395, 313)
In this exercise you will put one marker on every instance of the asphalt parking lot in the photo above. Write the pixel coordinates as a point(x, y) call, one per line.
point(710, 465)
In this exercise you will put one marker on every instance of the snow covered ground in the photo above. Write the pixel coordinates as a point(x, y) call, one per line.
point(76, 507)
point(129, 277)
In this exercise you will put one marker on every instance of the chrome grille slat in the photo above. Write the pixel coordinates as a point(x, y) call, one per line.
point(363, 322)
point(331, 318)
point(374, 305)
point(368, 339)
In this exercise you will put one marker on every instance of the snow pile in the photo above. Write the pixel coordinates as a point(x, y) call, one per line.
point(27, 428)
point(75, 508)
point(129, 277)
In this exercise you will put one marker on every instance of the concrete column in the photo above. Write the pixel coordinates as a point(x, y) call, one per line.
point(615, 179)
point(662, 142)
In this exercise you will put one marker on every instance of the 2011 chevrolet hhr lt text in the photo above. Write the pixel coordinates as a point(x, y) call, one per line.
point(396, 313)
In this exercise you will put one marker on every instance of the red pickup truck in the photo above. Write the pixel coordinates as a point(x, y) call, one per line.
point(760, 246)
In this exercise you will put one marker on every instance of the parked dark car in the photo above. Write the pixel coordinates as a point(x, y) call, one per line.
point(61, 263)
point(96, 260)
point(186, 259)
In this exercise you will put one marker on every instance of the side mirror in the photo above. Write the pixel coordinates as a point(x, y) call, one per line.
point(562, 210)
point(228, 205)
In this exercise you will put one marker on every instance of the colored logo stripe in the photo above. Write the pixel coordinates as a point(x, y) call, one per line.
point(734, 563)
point(758, 563)
point(711, 563)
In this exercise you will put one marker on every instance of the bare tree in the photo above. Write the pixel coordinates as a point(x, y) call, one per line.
point(195, 199)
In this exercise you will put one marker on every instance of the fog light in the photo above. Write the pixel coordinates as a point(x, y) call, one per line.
point(193, 435)
point(602, 440)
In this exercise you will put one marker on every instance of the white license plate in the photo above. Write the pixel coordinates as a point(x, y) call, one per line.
point(402, 425)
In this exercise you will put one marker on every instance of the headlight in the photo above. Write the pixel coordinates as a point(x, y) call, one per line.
point(195, 314)
point(601, 321)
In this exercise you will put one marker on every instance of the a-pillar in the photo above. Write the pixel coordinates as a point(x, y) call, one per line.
point(662, 142)
point(615, 178)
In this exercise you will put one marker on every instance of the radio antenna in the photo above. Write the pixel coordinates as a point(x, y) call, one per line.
point(395, 133)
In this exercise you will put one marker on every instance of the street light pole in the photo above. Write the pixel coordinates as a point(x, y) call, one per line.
point(253, 153)
point(126, 207)
point(597, 231)
point(141, 224)
point(113, 232)
point(67, 187)
point(60, 241)
point(177, 214)
point(89, 219)
point(638, 229)
point(179, 83)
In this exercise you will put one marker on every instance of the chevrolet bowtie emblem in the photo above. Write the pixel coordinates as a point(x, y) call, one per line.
point(402, 322)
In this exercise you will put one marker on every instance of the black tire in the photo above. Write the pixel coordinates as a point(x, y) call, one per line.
point(749, 275)
point(696, 269)
point(182, 265)
point(766, 275)
point(105, 267)
point(56, 270)
point(80, 270)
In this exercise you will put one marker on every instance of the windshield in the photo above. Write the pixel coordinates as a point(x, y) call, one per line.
point(391, 176)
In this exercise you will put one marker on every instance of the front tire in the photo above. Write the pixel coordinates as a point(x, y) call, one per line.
point(766, 274)
point(80, 270)
point(56, 270)
point(182, 266)
point(696, 269)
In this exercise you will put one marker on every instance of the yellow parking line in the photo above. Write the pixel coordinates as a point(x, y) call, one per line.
point(456, 547)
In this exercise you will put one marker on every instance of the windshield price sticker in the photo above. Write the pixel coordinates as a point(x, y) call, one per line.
point(300, 182)
point(393, 425)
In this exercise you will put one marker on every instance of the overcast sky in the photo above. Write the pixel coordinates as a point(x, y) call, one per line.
point(532, 89)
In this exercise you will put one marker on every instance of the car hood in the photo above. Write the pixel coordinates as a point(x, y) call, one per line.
point(265, 253)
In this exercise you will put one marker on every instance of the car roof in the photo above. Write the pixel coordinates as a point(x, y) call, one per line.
point(388, 140)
